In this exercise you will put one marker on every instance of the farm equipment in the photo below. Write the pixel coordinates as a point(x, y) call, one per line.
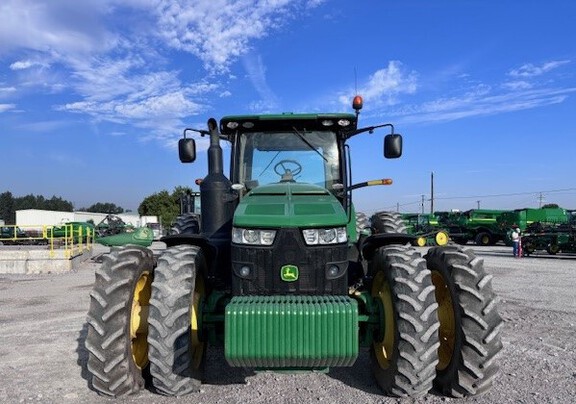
point(112, 231)
point(478, 225)
point(13, 235)
point(551, 237)
point(111, 225)
point(282, 275)
point(78, 231)
point(189, 219)
point(425, 228)
point(531, 219)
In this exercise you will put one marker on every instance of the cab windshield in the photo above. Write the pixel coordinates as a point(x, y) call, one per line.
point(298, 156)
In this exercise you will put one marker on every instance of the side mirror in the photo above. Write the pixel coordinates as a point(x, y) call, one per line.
point(393, 146)
point(187, 150)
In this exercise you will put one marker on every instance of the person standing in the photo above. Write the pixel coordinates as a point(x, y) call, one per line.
point(516, 241)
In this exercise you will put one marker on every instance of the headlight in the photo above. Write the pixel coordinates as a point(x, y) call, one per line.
point(325, 236)
point(253, 236)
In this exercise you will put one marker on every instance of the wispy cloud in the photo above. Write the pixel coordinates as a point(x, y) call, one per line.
point(6, 107)
point(113, 55)
point(7, 91)
point(218, 32)
point(395, 89)
point(530, 70)
point(26, 64)
point(256, 72)
point(384, 86)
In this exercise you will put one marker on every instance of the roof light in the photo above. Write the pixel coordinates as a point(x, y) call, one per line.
point(232, 125)
point(344, 122)
point(248, 125)
point(327, 122)
point(357, 103)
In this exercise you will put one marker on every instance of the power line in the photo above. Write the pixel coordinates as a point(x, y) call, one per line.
point(508, 194)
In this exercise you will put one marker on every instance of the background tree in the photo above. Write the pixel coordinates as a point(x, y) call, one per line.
point(163, 204)
point(550, 205)
point(104, 207)
point(7, 211)
point(9, 205)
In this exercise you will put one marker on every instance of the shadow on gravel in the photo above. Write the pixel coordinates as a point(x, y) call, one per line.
point(359, 376)
point(217, 371)
point(545, 256)
point(82, 352)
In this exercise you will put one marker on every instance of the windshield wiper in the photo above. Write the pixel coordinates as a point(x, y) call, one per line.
point(308, 143)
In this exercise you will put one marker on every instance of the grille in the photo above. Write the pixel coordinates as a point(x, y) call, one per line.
point(289, 249)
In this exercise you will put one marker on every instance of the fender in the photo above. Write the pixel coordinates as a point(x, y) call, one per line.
point(371, 243)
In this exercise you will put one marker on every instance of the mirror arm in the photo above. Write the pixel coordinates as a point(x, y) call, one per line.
point(369, 129)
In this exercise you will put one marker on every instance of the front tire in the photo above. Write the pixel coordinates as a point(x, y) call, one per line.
point(404, 355)
point(117, 321)
point(177, 353)
point(469, 322)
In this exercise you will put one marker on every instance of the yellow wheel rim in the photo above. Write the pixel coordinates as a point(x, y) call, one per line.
point(139, 320)
point(421, 241)
point(383, 349)
point(441, 238)
point(447, 331)
point(195, 315)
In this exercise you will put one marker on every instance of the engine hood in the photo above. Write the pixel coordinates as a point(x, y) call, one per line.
point(289, 204)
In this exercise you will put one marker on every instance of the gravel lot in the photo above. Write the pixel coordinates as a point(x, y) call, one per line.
point(42, 333)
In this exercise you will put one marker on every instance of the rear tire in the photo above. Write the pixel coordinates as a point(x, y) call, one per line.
point(404, 355)
point(188, 223)
point(117, 321)
point(469, 322)
point(388, 222)
point(177, 354)
point(362, 222)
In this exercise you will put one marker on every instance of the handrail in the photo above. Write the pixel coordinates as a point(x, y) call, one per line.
point(73, 240)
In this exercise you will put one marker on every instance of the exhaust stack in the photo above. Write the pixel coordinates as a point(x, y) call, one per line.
point(218, 200)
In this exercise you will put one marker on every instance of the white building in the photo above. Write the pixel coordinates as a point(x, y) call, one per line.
point(38, 217)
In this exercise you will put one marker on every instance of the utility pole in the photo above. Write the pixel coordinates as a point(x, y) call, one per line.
point(432, 192)
point(540, 200)
point(478, 203)
point(422, 204)
point(397, 207)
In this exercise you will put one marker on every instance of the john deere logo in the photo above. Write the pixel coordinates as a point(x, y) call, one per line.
point(289, 273)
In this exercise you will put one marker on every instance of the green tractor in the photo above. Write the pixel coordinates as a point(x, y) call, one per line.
point(281, 275)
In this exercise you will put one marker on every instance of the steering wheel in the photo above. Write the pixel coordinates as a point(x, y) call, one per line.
point(288, 173)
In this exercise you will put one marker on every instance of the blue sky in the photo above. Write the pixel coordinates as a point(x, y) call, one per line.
point(95, 94)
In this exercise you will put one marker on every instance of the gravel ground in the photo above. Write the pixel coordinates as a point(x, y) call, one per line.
point(42, 333)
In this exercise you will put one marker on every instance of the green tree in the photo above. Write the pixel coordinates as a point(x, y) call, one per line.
point(57, 203)
point(104, 207)
point(10, 204)
point(163, 204)
point(550, 205)
point(7, 210)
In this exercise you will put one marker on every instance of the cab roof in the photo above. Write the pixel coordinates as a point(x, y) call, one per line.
point(287, 121)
